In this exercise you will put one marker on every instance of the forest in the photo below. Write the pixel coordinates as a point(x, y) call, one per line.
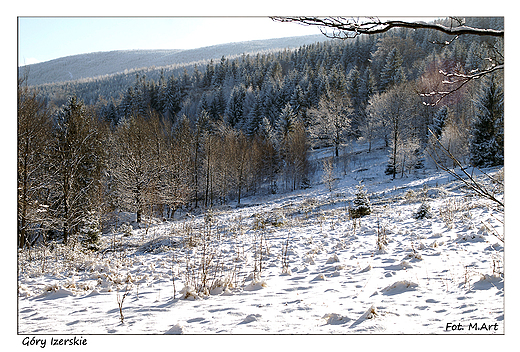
point(225, 130)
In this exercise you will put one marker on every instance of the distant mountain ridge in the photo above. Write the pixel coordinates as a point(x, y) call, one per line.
point(71, 68)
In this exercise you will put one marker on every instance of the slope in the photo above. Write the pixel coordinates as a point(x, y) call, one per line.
point(291, 263)
point(105, 63)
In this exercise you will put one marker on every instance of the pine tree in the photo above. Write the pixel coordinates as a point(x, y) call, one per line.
point(285, 123)
point(270, 100)
point(218, 105)
point(127, 106)
point(110, 113)
point(220, 72)
point(354, 84)
point(357, 91)
point(487, 142)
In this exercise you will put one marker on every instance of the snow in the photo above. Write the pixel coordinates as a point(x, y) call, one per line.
point(432, 271)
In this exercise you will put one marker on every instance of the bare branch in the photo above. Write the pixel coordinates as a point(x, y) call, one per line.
point(343, 27)
point(460, 81)
point(469, 181)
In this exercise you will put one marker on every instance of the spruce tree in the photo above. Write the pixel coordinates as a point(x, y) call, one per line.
point(361, 205)
point(235, 105)
point(392, 73)
point(439, 120)
point(254, 121)
point(487, 142)
point(172, 98)
point(77, 161)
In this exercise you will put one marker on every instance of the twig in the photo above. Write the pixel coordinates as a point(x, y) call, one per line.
point(462, 79)
point(493, 232)
point(120, 301)
point(470, 182)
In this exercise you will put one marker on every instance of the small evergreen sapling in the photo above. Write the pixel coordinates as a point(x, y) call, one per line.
point(361, 205)
point(90, 233)
point(424, 211)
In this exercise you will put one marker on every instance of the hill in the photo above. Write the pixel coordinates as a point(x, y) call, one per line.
point(91, 65)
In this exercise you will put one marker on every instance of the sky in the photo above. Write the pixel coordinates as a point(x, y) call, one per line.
point(45, 38)
point(57, 28)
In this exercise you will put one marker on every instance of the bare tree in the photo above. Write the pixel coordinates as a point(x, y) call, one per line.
point(133, 165)
point(33, 179)
point(296, 162)
point(331, 120)
point(175, 180)
point(396, 111)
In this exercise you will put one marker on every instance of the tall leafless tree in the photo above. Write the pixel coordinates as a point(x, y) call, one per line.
point(331, 120)
point(397, 111)
point(33, 178)
point(133, 167)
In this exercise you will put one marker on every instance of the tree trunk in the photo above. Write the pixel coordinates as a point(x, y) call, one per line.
point(394, 158)
point(206, 201)
point(23, 223)
point(196, 173)
point(65, 209)
point(139, 215)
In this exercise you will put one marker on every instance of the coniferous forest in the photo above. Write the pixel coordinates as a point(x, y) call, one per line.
point(213, 134)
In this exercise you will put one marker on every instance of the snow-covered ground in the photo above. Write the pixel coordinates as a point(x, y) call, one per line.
point(290, 263)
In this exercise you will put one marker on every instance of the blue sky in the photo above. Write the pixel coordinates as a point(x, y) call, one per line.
point(46, 38)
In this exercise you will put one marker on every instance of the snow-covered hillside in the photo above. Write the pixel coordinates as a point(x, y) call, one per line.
point(291, 263)
point(97, 64)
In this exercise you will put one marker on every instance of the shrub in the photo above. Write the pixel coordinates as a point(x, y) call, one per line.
point(126, 229)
